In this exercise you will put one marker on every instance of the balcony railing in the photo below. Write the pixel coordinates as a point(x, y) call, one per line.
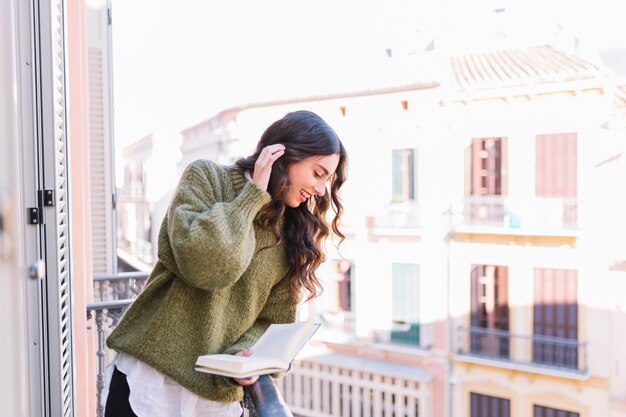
point(538, 351)
point(504, 212)
point(262, 398)
point(396, 216)
point(336, 385)
point(106, 315)
point(121, 286)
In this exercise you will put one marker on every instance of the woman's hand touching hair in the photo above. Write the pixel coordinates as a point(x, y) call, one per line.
point(263, 165)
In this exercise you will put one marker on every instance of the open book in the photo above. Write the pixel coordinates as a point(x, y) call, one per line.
point(273, 352)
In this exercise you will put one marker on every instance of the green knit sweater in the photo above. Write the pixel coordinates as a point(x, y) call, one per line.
point(211, 290)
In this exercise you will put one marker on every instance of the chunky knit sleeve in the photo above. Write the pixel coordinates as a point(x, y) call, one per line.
point(212, 241)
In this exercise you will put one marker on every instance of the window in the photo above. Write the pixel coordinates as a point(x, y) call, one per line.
point(488, 406)
point(556, 173)
point(541, 411)
point(404, 175)
point(405, 303)
point(485, 181)
point(487, 167)
point(490, 310)
point(336, 305)
point(344, 270)
point(555, 318)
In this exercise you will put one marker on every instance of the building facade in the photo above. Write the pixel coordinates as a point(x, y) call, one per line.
point(475, 236)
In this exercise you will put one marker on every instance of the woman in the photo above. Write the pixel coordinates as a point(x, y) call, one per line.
point(238, 249)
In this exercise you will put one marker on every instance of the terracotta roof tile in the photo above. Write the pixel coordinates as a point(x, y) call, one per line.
point(515, 67)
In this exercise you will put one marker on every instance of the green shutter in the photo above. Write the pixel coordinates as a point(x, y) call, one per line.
point(405, 303)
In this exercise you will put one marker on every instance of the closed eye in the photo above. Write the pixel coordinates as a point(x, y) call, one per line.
point(317, 174)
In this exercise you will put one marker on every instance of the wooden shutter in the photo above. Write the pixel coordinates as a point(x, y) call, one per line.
point(489, 296)
point(489, 406)
point(344, 284)
point(555, 314)
point(490, 310)
point(101, 144)
point(501, 302)
point(556, 165)
point(477, 313)
point(488, 166)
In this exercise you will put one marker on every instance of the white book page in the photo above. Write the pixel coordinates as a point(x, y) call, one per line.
point(283, 341)
point(238, 363)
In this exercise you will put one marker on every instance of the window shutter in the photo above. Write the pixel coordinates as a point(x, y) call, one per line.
point(404, 175)
point(555, 314)
point(344, 284)
point(405, 303)
point(101, 142)
point(489, 309)
point(488, 166)
point(502, 298)
point(477, 316)
point(51, 138)
point(556, 165)
point(489, 406)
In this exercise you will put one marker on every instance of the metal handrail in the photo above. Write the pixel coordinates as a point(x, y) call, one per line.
point(119, 286)
point(266, 399)
point(535, 337)
point(121, 276)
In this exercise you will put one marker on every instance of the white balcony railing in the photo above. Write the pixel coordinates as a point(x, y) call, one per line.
point(536, 213)
point(395, 216)
point(337, 385)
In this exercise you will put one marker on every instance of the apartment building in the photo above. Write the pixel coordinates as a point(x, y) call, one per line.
point(371, 331)
point(149, 177)
point(529, 324)
point(475, 241)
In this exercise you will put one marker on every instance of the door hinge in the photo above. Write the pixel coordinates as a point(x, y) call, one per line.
point(34, 215)
point(45, 199)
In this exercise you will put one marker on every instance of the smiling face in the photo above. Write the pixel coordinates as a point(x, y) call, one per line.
point(309, 177)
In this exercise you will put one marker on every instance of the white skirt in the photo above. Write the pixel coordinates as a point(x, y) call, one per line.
point(153, 394)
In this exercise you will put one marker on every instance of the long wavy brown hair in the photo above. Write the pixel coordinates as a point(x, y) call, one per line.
point(304, 134)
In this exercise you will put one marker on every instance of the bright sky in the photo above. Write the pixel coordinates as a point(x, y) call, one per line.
point(177, 63)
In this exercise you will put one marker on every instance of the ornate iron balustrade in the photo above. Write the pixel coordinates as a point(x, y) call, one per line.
point(547, 352)
point(120, 286)
point(106, 315)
